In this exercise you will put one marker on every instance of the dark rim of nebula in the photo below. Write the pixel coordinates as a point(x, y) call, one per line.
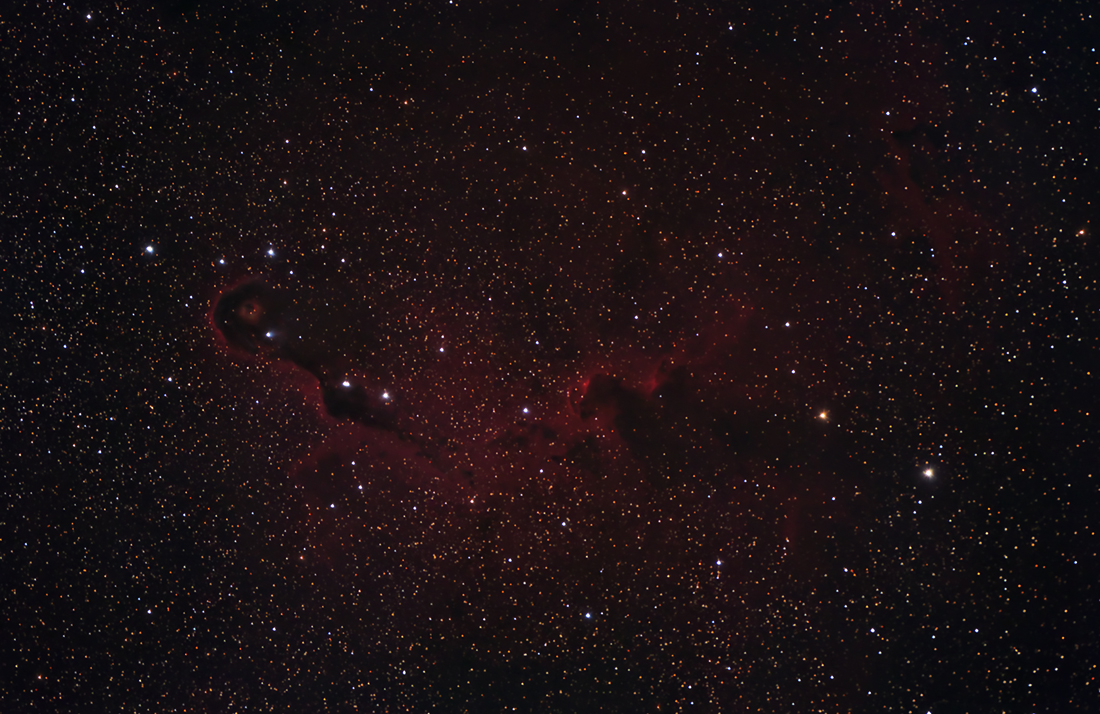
point(245, 313)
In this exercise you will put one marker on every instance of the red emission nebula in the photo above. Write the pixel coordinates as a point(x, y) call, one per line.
point(559, 450)
point(569, 407)
point(613, 356)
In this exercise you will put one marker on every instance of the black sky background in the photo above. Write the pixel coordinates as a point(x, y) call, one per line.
point(859, 245)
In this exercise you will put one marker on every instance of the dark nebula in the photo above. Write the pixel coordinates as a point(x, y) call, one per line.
point(570, 357)
point(250, 315)
point(669, 417)
point(261, 320)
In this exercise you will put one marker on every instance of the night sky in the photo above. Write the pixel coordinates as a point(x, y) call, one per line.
point(550, 357)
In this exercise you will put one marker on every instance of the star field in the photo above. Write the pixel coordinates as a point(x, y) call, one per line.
point(602, 357)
